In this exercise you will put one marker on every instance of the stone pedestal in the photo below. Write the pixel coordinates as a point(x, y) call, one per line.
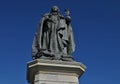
point(54, 72)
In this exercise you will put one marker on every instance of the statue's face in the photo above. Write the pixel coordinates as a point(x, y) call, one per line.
point(55, 9)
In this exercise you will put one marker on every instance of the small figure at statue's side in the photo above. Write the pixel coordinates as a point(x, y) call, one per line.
point(53, 39)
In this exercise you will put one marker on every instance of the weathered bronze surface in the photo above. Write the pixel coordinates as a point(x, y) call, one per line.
point(53, 39)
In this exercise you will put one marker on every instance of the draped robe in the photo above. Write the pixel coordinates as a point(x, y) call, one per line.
point(53, 35)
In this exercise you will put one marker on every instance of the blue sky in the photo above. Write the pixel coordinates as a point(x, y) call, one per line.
point(96, 28)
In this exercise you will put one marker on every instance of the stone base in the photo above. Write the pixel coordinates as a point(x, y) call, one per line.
point(54, 72)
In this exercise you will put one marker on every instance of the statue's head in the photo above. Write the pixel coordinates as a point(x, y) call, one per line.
point(55, 9)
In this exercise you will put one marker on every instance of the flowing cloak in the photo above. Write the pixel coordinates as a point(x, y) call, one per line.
point(53, 35)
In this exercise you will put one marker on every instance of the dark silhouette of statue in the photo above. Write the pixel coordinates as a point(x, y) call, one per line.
point(53, 39)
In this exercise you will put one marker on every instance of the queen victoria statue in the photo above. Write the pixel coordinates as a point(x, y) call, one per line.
point(53, 39)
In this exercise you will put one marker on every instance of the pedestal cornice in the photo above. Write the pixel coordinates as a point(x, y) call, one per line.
point(54, 66)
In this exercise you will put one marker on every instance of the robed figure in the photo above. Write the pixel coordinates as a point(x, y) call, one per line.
point(53, 39)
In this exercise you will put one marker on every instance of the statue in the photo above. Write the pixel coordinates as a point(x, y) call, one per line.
point(53, 39)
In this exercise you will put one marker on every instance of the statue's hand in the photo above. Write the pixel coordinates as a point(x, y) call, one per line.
point(68, 18)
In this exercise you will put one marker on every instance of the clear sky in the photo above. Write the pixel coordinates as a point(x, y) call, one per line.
point(96, 28)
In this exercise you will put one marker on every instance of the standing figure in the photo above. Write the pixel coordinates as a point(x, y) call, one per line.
point(53, 39)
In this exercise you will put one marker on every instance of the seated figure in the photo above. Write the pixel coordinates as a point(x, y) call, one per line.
point(53, 39)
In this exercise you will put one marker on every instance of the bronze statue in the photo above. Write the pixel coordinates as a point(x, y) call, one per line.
point(53, 39)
